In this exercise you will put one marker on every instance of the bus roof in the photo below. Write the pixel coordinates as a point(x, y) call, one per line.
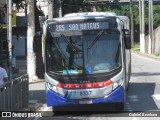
point(96, 14)
point(86, 15)
point(82, 16)
point(91, 14)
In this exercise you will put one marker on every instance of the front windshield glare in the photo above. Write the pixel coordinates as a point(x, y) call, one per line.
point(87, 53)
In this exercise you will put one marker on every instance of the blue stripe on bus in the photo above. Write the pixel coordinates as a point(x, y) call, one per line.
point(118, 95)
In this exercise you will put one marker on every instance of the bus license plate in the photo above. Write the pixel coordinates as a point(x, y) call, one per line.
point(85, 102)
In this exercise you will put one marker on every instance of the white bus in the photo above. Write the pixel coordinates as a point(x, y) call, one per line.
point(87, 59)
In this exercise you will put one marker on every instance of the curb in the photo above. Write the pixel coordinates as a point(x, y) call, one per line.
point(36, 81)
point(34, 107)
point(151, 56)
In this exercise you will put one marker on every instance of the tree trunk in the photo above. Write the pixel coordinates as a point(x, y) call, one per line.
point(31, 62)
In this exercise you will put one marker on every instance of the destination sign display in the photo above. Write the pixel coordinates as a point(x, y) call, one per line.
point(81, 26)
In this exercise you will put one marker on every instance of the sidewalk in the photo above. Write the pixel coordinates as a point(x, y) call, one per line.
point(151, 56)
point(22, 65)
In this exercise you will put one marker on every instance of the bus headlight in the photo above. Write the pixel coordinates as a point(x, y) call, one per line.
point(52, 87)
point(117, 83)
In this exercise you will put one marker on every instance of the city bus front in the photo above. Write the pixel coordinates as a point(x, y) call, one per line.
point(84, 62)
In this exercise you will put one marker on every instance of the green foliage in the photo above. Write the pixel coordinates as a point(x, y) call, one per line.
point(19, 4)
point(125, 10)
point(156, 15)
point(71, 6)
point(136, 47)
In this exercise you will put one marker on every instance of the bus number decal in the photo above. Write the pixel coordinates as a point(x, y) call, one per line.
point(85, 93)
point(60, 28)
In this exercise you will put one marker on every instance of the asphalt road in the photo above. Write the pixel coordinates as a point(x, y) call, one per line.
point(143, 96)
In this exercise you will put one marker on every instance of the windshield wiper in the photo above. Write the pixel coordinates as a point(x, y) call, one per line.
point(74, 48)
point(95, 40)
point(67, 41)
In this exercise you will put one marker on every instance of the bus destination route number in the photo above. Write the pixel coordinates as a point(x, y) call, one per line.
point(81, 26)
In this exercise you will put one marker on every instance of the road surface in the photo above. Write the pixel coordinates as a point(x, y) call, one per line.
point(143, 96)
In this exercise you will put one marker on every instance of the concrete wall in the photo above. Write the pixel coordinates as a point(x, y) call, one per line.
point(155, 42)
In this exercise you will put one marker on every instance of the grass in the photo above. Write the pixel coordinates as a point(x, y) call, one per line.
point(136, 47)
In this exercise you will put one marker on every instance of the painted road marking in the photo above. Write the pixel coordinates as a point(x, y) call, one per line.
point(156, 96)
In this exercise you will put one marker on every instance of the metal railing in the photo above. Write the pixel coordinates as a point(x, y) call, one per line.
point(14, 96)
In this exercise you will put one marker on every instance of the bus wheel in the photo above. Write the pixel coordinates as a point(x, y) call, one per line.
point(119, 107)
point(60, 110)
point(56, 110)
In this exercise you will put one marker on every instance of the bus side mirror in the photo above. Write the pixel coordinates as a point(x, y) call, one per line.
point(127, 39)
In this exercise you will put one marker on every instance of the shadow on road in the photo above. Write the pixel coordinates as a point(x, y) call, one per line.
point(145, 74)
point(37, 95)
point(139, 96)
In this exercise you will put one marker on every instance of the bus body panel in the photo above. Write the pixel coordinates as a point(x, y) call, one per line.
point(116, 96)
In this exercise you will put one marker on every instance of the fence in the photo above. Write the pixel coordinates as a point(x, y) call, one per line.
point(14, 97)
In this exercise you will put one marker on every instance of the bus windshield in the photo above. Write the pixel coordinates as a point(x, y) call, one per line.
point(85, 52)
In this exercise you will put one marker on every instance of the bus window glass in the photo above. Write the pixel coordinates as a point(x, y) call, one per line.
point(87, 53)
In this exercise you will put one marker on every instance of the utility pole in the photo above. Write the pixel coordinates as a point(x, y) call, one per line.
point(150, 39)
point(50, 9)
point(31, 60)
point(54, 8)
point(132, 23)
point(9, 33)
point(60, 8)
point(140, 21)
point(142, 38)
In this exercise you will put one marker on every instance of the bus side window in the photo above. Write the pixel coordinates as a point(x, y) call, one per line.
point(127, 38)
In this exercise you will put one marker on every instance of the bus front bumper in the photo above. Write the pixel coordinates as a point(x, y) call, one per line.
point(116, 96)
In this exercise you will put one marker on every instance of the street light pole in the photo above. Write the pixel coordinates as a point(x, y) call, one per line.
point(10, 37)
point(31, 60)
point(50, 9)
point(140, 20)
point(60, 8)
point(132, 23)
point(150, 39)
point(142, 40)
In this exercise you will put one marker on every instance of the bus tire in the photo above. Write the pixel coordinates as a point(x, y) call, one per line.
point(119, 107)
point(56, 110)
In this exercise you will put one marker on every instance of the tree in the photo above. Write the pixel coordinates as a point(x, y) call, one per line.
point(156, 13)
point(70, 6)
point(19, 3)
